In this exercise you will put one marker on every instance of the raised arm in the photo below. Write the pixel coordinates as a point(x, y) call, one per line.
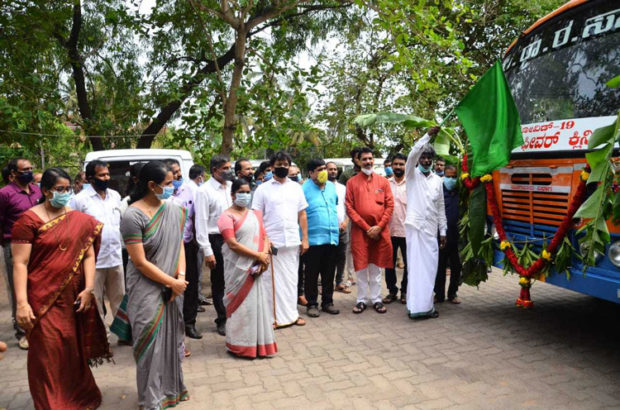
point(416, 152)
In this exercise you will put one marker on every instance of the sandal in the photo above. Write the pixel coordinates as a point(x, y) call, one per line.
point(403, 298)
point(359, 308)
point(379, 308)
point(300, 322)
point(389, 298)
point(187, 353)
point(455, 300)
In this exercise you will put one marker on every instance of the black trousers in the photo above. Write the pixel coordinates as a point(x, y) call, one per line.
point(217, 278)
point(300, 278)
point(190, 297)
point(390, 274)
point(320, 260)
point(341, 256)
point(448, 255)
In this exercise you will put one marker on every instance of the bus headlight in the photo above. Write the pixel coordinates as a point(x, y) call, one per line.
point(614, 254)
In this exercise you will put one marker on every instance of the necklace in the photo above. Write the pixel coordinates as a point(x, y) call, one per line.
point(60, 245)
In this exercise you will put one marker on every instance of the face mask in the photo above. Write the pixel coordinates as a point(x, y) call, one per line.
point(367, 171)
point(449, 183)
point(389, 171)
point(281, 172)
point(100, 184)
point(243, 199)
point(322, 177)
point(268, 176)
point(424, 170)
point(294, 178)
point(168, 191)
point(60, 200)
point(228, 175)
point(399, 172)
point(84, 186)
point(440, 173)
point(176, 183)
point(25, 178)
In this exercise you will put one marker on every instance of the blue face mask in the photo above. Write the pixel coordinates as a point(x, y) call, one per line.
point(449, 183)
point(168, 191)
point(389, 171)
point(268, 176)
point(424, 170)
point(60, 200)
point(177, 183)
point(243, 199)
point(440, 173)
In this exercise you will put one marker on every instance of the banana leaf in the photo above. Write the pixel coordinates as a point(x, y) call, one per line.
point(477, 217)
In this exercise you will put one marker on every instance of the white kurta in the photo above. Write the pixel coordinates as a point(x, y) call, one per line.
point(425, 218)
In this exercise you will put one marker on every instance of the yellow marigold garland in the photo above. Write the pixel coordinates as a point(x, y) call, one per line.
point(504, 245)
point(464, 175)
point(486, 178)
point(546, 255)
point(585, 175)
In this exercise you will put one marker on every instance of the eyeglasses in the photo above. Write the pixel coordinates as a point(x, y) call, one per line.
point(61, 189)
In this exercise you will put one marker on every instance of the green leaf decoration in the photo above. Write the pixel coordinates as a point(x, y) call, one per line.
point(477, 218)
point(614, 82)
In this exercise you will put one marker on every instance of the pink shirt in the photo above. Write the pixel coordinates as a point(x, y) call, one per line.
point(397, 223)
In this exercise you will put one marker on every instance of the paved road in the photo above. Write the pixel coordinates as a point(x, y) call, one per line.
point(485, 353)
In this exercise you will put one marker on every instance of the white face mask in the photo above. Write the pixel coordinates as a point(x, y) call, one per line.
point(368, 171)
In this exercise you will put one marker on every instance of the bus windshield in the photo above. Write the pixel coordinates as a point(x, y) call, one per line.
point(558, 74)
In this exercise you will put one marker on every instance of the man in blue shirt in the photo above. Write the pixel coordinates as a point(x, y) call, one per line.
point(323, 233)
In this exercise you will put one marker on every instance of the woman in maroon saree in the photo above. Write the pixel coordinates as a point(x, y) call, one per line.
point(54, 269)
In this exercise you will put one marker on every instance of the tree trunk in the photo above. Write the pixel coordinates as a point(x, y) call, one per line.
point(230, 119)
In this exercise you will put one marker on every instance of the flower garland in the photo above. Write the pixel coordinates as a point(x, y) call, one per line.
point(526, 275)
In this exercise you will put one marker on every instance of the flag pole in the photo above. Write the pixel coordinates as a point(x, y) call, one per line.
point(447, 117)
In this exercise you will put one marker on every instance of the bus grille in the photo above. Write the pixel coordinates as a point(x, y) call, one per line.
point(534, 207)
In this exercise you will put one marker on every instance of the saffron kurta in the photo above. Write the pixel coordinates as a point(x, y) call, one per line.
point(369, 202)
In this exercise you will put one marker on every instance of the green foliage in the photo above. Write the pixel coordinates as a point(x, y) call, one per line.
point(601, 205)
point(477, 217)
point(564, 257)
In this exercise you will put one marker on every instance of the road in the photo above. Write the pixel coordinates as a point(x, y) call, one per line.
point(482, 354)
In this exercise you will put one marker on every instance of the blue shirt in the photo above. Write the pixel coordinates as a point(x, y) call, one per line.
point(322, 213)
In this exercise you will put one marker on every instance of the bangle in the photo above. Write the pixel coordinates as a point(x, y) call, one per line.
point(181, 273)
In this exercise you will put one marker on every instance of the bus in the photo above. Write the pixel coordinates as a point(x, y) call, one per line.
point(557, 70)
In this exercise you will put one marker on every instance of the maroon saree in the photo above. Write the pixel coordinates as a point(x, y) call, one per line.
point(62, 342)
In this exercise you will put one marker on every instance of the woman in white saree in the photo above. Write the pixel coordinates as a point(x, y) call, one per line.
point(249, 324)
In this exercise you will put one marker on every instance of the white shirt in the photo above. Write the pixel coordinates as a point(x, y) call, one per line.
point(212, 198)
point(341, 191)
point(281, 204)
point(425, 204)
point(107, 211)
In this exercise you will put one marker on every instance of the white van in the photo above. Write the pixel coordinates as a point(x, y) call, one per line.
point(119, 161)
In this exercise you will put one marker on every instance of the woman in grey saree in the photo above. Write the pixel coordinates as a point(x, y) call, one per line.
point(249, 323)
point(153, 233)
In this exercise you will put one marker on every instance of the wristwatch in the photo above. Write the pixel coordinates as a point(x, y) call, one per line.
point(181, 273)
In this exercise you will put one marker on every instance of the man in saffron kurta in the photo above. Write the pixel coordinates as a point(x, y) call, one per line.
point(370, 205)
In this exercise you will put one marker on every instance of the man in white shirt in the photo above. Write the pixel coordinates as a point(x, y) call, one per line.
point(398, 183)
point(425, 217)
point(343, 221)
point(283, 205)
point(212, 198)
point(104, 204)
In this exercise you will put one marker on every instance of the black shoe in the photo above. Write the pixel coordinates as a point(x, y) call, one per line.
point(191, 332)
point(221, 329)
point(201, 309)
point(330, 309)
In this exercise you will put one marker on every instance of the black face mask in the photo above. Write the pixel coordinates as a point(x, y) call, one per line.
point(100, 184)
point(281, 172)
point(399, 172)
point(25, 177)
point(228, 175)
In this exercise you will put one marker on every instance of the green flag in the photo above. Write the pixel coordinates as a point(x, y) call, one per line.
point(491, 120)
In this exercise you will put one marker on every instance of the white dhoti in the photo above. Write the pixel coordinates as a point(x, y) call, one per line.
point(285, 267)
point(369, 284)
point(422, 259)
